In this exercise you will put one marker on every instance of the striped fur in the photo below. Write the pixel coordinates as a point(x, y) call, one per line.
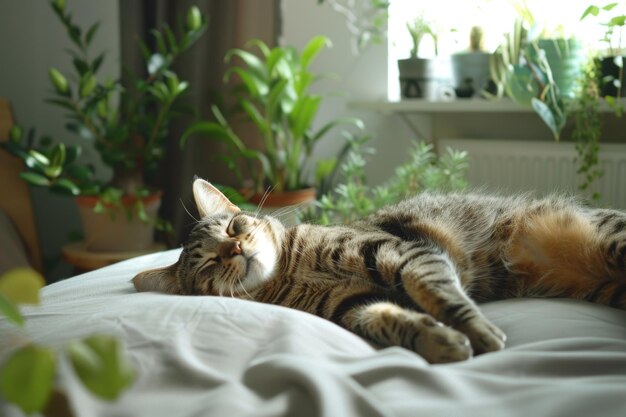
point(410, 274)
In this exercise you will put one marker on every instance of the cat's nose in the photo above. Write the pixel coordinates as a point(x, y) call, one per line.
point(230, 249)
point(236, 249)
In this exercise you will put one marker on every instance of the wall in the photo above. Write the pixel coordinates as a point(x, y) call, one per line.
point(364, 78)
point(32, 40)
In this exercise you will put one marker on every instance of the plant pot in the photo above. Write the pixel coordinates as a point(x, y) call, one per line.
point(114, 230)
point(425, 78)
point(610, 76)
point(566, 58)
point(470, 72)
point(283, 205)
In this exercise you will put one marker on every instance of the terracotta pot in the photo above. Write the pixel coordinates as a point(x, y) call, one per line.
point(283, 205)
point(113, 230)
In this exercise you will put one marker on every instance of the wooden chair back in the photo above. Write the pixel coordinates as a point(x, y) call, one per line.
point(15, 199)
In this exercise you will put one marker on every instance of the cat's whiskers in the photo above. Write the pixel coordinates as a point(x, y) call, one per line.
point(185, 207)
point(243, 288)
point(282, 211)
point(266, 195)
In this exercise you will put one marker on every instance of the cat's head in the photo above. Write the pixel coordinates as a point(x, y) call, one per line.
point(229, 252)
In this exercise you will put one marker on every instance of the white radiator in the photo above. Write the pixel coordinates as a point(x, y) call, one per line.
point(544, 167)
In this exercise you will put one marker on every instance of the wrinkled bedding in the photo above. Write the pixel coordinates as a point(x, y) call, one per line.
point(210, 356)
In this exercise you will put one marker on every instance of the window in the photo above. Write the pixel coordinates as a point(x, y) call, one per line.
point(453, 20)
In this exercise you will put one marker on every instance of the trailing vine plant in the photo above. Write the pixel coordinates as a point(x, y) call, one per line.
point(588, 129)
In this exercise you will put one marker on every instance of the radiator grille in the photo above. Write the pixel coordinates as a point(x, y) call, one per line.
point(542, 167)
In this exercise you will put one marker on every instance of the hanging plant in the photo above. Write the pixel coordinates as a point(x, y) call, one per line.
point(588, 129)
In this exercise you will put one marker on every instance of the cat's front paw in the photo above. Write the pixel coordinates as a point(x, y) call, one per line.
point(484, 336)
point(443, 344)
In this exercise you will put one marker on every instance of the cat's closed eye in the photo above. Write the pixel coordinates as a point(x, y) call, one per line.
point(237, 226)
point(211, 261)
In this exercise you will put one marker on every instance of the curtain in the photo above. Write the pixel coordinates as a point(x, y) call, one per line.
point(230, 24)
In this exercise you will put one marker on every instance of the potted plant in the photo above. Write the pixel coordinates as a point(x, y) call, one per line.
point(127, 124)
point(274, 95)
point(546, 72)
point(611, 65)
point(471, 68)
point(422, 77)
point(510, 77)
point(354, 198)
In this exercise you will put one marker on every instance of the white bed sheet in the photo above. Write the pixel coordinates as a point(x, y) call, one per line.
point(209, 356)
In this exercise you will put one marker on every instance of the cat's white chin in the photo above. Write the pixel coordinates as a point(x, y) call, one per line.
point(261, 265)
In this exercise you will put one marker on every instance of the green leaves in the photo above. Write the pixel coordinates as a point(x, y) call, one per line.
point(194, 18)
point(26, 378)
point(591, 10)
point(274, 93)
point(100, 365)
point(312, 49)
point(19, 286)
point(88, 84)
point(35, 179)
point(552, 119)
point(59, 82)
point(27, 375)
point(10, 311)
point(210, 129)
point(354, 198)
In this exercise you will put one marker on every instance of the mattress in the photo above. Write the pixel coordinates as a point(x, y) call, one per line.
point(212, 356)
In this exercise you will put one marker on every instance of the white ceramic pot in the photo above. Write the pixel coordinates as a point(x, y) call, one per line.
point(425, 78)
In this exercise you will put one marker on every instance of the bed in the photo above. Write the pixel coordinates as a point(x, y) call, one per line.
point(212, 356)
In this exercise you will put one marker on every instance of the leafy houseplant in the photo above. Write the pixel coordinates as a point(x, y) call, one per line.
point(505, 67)
point(612, 65)
point(557, 80)
point(354, 198)
point(422, 77)
point(27, 375)
point(274, 94)
point(540, 72)
point(126, 124)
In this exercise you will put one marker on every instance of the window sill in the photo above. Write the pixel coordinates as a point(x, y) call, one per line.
point(472, 105)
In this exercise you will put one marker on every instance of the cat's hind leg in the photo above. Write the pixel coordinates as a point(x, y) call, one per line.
point(568, 252)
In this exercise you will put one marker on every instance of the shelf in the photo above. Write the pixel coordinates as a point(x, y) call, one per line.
point(472, 105)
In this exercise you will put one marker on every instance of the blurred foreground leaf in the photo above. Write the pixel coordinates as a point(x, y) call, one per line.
point(26, 378)
point(100, 365)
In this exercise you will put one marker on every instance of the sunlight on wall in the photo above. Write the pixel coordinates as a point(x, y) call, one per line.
point(453, 19)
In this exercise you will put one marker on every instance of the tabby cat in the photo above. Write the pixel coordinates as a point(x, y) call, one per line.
point(410, 274)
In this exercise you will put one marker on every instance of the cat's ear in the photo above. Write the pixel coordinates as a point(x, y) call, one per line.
point(160, 280)
point(210, 200)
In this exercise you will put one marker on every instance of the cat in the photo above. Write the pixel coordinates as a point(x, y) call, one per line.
point(410, 274)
